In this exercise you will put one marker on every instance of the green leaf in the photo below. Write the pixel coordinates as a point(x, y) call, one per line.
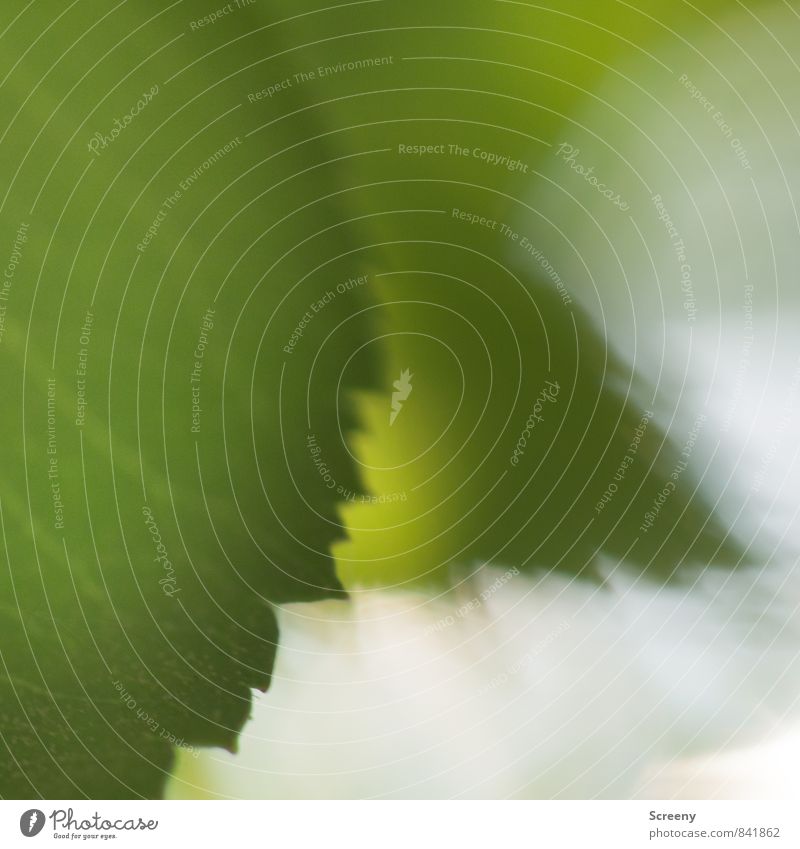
point(157, 496)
